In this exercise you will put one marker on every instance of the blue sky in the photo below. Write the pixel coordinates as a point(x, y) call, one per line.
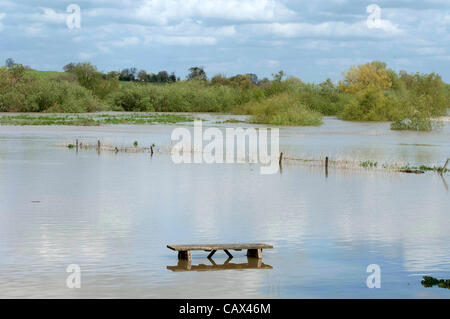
point(310, 39)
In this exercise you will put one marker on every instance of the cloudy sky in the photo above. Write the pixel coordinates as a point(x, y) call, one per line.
point(310, 39)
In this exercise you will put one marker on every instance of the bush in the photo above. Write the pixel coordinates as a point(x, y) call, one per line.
point(416, 115)
point(430, 86)
point(23, 92)
point(130, 98)
point(88, 77)
point(324, 98)
point(415, 123)
point(189, 96)
point(282, 109)
point(369, 105)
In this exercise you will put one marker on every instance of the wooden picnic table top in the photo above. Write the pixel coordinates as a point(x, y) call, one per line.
point(209, 247)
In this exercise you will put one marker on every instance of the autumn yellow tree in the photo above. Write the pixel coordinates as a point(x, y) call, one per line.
point(360, 77)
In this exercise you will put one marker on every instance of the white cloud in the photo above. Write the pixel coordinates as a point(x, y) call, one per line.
point(321, 45)
point(6, 4)
point(50, 16)
point(187, 33)
point(2, 16)
point(86, 55)
point(78, 39)
point(430, 51)
point(125, 42)
point(165, 11)
point(403, 62)
point(269, 63)
point(443, 57)
point(325, 29)
point(34, 29)
point(182, 40)
point(341, 62)
point(263, 33)
point(193, 29)
point(388, 27)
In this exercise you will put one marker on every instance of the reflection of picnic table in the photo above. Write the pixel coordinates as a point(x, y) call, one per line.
point(253, 250)
point(252, 263)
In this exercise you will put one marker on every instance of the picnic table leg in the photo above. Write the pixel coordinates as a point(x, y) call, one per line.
point(228, 253)
point(212, 262)
point(256, 253)
point(185, 264)
point(186, 254)
point(211, 254)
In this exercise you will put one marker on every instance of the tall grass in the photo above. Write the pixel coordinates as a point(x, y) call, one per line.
point(189, 96)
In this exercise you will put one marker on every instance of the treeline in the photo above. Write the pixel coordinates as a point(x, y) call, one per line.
point(131, 74)
point(369, 92)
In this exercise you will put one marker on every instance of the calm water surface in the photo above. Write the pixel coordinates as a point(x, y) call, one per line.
point(114, 215)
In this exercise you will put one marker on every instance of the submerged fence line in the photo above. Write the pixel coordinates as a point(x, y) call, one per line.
point(99, 146)
point(282, 158)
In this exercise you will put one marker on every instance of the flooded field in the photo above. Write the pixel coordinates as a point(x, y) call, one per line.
point(114, 214)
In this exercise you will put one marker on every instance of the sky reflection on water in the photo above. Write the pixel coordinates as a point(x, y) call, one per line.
point(114, 214)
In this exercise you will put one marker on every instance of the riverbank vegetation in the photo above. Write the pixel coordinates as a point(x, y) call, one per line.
point(369, 92)
point(282, 109)
point(94, 119)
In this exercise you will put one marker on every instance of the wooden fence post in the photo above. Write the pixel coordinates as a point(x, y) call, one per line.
point(445, 166)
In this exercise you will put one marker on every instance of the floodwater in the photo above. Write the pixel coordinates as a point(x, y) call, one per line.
point(113, 215)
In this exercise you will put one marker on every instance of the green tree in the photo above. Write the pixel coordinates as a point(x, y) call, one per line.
point(430, 86)
point(9, 63)
point(89, 77)
point(69, 67)
point(361, 77)
point(142, 76)
point(197, 73)
point(278, 77)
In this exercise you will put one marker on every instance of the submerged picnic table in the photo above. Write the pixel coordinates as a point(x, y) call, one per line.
point(253, 250)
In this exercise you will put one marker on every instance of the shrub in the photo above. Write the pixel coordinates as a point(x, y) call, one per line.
point(430, 86)
point(416, 115)
point(282, 109)
point(88, 77)
point(189, 96)
point(23, 92)
point(324, 97)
